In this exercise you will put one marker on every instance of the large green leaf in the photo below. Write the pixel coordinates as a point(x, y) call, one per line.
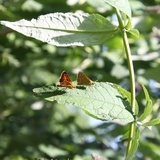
point(66, 29)
point(122, 5)
point(100, 100)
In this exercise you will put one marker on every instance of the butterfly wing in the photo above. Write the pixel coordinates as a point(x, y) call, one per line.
point(82, 79)
point(65, 81)
point(64, 77)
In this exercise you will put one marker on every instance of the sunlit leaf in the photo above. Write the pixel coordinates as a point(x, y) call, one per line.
point(66, 29)
point(101, 100)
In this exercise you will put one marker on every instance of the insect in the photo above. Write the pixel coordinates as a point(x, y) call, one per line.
point(65, 81)
point(82, 79)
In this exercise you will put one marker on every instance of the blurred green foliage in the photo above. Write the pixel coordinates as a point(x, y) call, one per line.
point(32, 128)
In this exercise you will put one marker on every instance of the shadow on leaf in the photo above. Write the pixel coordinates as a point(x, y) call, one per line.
point(48, 91)
point(81, 87)
point(125, 103)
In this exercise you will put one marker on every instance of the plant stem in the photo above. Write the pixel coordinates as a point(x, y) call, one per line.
point(132, 78)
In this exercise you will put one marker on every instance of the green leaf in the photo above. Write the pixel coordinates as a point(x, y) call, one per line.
point(125, 18)
point(66, 29)
point(126, 95)
point(129, 24)
point(101, 100)
point(135, 143)
point(125, 136)
point(148, 108)
point(122, 5)
point(134, 32)
point(150, 148)
point(152, 122)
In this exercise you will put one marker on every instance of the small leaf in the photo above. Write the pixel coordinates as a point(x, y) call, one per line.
point(122, 5)
point(134, 32)
point(152, 122)
point(101, 100)
point(126, 95)
point(125, 136)
point(125, 18)
point(129, 24)
point(66, 29)
point(135, 143)
point(148, 108)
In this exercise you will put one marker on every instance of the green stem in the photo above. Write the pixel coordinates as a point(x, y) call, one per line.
point(132, 78)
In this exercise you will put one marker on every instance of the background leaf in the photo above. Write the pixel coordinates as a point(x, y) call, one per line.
point(100, 100)
point(122, 5)
point(65, 29)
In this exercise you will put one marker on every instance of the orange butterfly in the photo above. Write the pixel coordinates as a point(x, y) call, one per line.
point(65, 81)
point(82, 79)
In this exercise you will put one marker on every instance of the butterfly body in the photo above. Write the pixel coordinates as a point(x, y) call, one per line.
point(82, 79)
point(65, 81)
